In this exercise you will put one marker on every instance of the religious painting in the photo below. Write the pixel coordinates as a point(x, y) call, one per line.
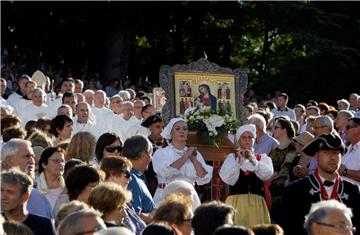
point(204, 89)
point(159, 98)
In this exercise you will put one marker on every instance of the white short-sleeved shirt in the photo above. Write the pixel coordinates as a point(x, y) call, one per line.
point(351, 160)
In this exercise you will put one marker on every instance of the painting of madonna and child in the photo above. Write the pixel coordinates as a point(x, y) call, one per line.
point(216, 91)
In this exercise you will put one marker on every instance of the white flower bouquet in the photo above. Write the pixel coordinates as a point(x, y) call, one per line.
point(211, 125)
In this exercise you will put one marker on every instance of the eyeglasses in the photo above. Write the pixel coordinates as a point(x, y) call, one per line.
point(126, 173)
point(57, 161)
point(112, 149)
point(277, 127)
point(341, 228)
point(318, 127)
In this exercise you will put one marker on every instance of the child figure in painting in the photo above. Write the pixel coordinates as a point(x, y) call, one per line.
point(205, 98)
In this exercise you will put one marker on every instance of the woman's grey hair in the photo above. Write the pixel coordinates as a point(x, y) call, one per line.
point(115, 231)
point(135, 145)
point(68, 208)
point(12, 147)
point(73, 224)
point(258, 121)
point(320, 210)
point(181, 186)
point(326, 121)
point(344, 102)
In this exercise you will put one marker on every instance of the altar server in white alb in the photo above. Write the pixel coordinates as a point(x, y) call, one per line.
point(245, 172)
point(123, 123)
point(36, 109)
point(177, 161)
point(104, 116)
point(16, 96)
point(26, 99)
point(84, 121)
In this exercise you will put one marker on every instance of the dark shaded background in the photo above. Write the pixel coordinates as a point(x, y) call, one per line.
point(311, 50)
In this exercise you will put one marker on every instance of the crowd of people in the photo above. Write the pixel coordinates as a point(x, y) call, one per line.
point(99, 161)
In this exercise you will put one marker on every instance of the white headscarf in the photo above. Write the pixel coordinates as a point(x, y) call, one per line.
point(249, 127)
point(166, 133)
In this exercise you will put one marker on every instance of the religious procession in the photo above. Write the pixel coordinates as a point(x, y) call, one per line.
point(200, 150)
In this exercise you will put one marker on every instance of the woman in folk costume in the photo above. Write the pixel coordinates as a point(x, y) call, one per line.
point(177, 161)
point(245, 172)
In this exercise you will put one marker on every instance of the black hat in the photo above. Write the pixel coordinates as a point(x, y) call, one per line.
point(152, 119)
point(324, 142)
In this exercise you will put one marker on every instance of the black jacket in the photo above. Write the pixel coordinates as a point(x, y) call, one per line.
point(299, 195)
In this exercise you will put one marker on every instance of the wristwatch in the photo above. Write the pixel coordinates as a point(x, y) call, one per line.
point(344, 172)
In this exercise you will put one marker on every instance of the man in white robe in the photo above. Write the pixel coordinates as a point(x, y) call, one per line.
point(16, 96)
point(124, 123)
point(89, 97)
point(26, 99)
point(83, 121)
point(5, 107)
point(104, 116)
point(36, 109)
point(3, 84)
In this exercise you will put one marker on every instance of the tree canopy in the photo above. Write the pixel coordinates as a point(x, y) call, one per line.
point(307, 49)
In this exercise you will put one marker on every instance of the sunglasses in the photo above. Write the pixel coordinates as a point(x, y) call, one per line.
point(112, 149)
point(126, 173)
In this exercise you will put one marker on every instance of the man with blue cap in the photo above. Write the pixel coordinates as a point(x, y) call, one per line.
point(323, 183)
